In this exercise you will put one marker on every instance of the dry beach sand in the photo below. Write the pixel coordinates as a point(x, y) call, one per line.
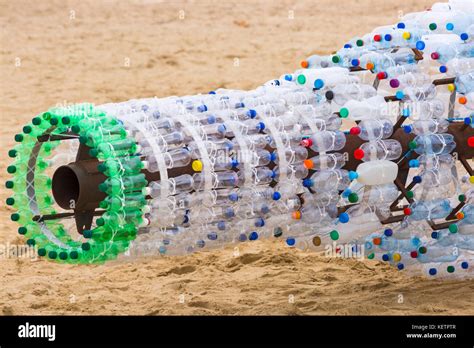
point(73, 51)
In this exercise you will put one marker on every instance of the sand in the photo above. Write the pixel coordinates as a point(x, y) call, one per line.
point(56, 52)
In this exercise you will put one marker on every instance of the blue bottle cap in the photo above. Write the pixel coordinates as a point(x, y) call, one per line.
point(212, 92)
point(276, 196)
point(434, 235)
point(234, 197)
point(234, 163)
point(260, 126)
point(399, 95)
point(443, 69)
point(355, 62)
point(307, 182)
point(290, 241)
point(211, 119)
point(449, 26)
point(353, 175)
point(420, 45)
point(401, 25)
point(251, 113)
point(347, 46)
point(464, 36)
point(388, 37)
point(221, 225)
point(417, 179)
point(318, 84)
point(253, 236)
point(464, 265)
point(344, 218)
point(242, 237)
point(229, 212)
point(432, 271)
point(212, 236)
point(388, 232)
point(400, 266)
point(385, 257)
point(221, 128)
point(346, 193)
point(259, 222)
point(202, 108)
point(273, 156)
point(407, 129)
point(288, 77)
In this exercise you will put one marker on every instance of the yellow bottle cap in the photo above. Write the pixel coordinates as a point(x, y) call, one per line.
point(451, 87)
point(406, 35)
point(396, 257)
point(197, 165)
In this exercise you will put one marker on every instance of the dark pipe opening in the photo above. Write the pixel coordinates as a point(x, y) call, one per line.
point(66, 187)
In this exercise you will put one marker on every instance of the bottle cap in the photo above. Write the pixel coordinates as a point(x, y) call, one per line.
point(197, 165)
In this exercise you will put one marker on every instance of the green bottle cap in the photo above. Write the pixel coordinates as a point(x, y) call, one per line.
point(83, 139)
point(19, 138)
point(36, 121)
point(102, 167)
point(334, 235)
point(450, 269)
point(353, 197)
point(344, 112)
point(12, 153)
point(66, 120)
point(9, 184)
point(27, 129)
point(301, 79)
point(52, 254)
point(42, 252)
point(100, 222)
point(87, 233)
point(85, 246)
point(22, 230)
point(63, 255)
point(10, 201)
point(11, 169)
point(74, 255)
point(412, 145)
point(371, 256)
point(462, 198)
point(410, 194)
point(453, 228)
point(103, 187)
point(54, 121)
point(31, 242)
point(422, 250)
point(93, 152)
point(336, 59)
point(359, 42)
point(433, 26)
point(15, 217)
point(76, 129)
point(47, 116)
